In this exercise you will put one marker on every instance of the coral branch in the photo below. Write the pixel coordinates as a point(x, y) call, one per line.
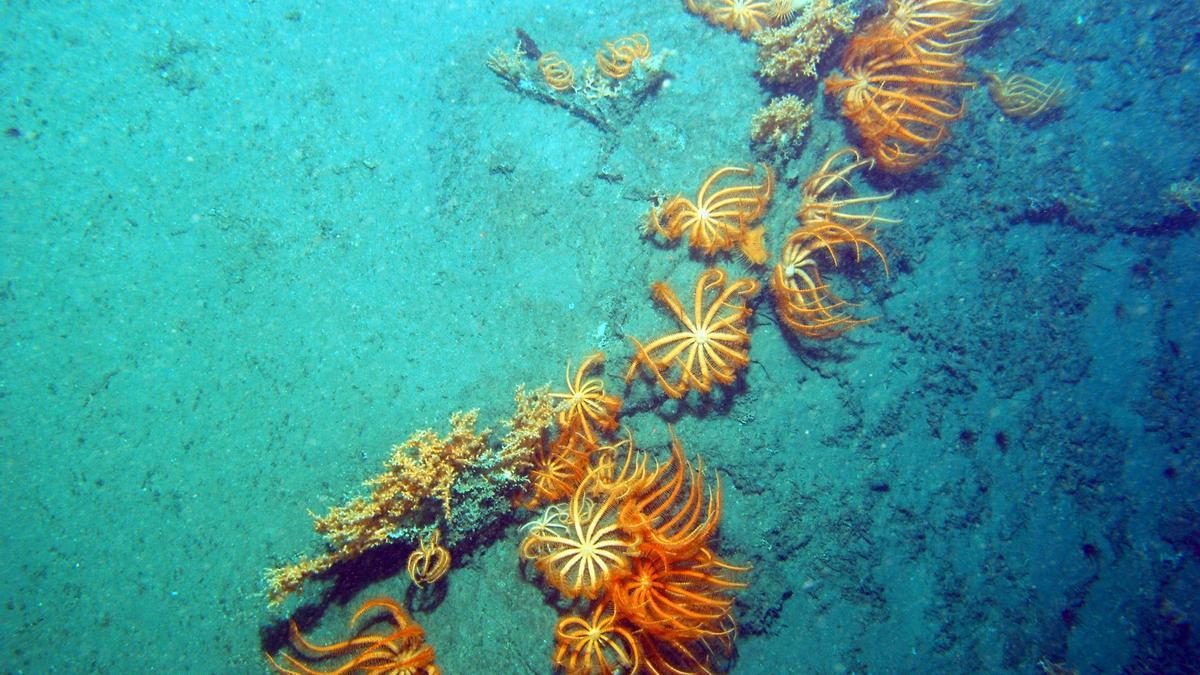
point(790, 54)
point(461, 472)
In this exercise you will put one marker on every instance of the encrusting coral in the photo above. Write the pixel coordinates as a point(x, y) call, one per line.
point(460, 480)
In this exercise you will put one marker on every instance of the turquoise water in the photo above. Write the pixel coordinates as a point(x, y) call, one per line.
point(247, 247)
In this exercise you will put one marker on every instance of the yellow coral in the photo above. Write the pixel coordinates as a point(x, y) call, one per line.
point(791, 53)
point(425, 467)
point(596, 87)
point(781, 123)
point(526, 429)
point(509, 64)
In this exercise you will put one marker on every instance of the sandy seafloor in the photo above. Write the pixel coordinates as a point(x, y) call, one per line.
point(247, 246)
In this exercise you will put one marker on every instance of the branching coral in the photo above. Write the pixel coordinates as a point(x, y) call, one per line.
point(790, 53)
point(511, 64)
point(426, 474)
point(779, 127)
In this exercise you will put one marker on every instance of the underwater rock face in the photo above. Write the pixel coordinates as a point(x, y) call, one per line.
point(944, 421)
